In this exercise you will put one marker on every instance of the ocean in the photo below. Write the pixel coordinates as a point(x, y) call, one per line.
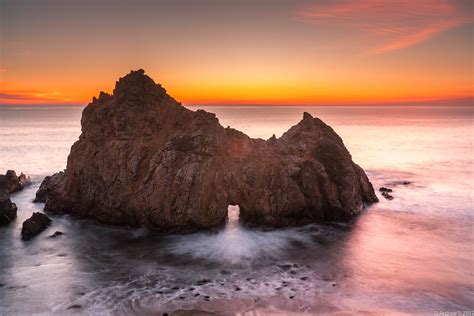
point(410, 255)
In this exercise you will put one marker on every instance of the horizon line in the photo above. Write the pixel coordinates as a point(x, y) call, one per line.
point(464, 101)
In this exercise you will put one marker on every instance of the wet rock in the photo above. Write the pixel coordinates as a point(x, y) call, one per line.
point(203, 281)
point(49, 184)
point(285, 267)
point(8, 209)
point(237, 288)
point(56, 234)
point(145, 160)
point(13, 183)
point(34, 225)
point(75, 306)
point(384, 189)
point(387, 196)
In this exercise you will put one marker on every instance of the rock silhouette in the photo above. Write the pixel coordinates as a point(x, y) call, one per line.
point(144, 159)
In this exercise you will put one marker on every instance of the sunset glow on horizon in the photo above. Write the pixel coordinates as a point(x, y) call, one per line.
point(239, 52)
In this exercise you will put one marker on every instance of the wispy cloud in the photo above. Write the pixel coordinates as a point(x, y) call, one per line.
point(394, 24)
point(32, 97)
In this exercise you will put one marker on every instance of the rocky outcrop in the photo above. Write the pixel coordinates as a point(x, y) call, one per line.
point(144, 159)
point(13, 183)
point(50, 183)
point(10, 183)
point(8, 209)
point(34, 225)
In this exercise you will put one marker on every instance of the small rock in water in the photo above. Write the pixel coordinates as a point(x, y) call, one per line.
point(203, 281)
point(387, 196)
point(76, 306)
point(56, 234)
point(237, 288)
point(384, 189)
point(285, 267)
point(34, 225)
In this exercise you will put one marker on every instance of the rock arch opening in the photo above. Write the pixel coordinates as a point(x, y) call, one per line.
point(233, 215)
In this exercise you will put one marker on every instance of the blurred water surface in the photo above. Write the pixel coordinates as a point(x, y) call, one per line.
point(411, 255)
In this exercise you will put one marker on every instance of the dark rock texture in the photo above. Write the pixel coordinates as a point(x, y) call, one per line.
point(8, 209)
point(10, 183)
point(49, 183)
point(13, 183)
point(384, 189)
point(34, 225)
point(143, 159)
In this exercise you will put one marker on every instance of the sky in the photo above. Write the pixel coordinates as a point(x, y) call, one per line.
point(240, 52)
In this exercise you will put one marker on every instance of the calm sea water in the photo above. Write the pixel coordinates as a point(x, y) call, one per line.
point(411, 255)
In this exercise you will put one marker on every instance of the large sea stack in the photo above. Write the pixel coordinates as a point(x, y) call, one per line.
point(145, 160)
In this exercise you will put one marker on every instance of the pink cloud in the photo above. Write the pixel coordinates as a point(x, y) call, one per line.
point(394, 24)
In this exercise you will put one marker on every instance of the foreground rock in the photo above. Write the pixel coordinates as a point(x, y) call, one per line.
point(8, 209)
point(144, 159)
point(34, 225)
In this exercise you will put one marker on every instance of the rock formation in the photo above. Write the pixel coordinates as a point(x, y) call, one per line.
point(10, 183)
point(144, 159)
point(8, 209)
point(34, 225)
point(13, 183)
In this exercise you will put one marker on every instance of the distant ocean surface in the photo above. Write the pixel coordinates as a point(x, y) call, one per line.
point(411, 255)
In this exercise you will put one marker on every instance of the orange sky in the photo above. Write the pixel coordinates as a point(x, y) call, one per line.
point(239, 52)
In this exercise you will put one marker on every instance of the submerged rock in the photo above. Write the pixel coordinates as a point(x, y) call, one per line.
point(34, 225)
point(144, 159)
point(56, 234)
point(8, 209)
point(384, 189)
